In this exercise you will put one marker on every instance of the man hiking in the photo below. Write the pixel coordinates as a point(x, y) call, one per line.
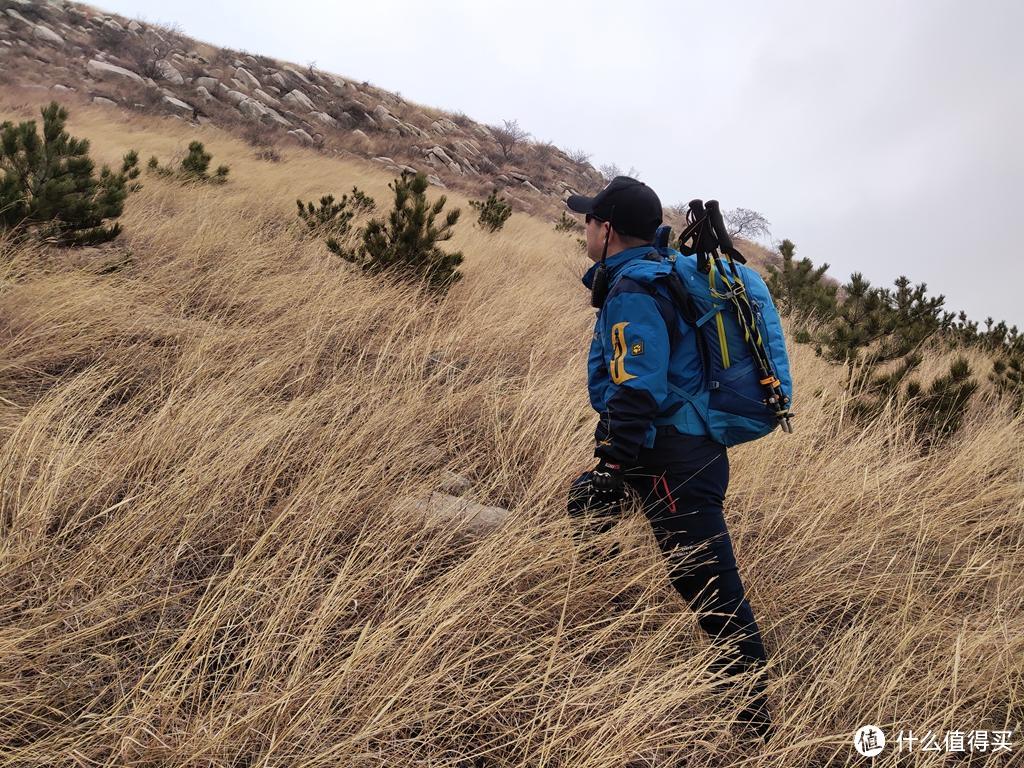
point(649, 437)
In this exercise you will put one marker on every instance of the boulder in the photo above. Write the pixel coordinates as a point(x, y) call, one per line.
point(178, 105)
point(324, 118)
point(111, 24)
point(169, 73)
point(103, 100)
point(299, 100)
point(468, 515)
point(235, 97)
point(454, 483)
point(278, 79)
point(134, 26)
point(271, 115)
point(239, 85)
point(209, 83)
point(384, 160)
point(47, 35)
point(300, 135)
point(266, 98)
point(360, 134)
point(293, 71)
point(103, 70)
point(247, 77)
point(432, 179)
point(251, 108)
point(530, 186)
point(204, 94)
point(18, 17)
point(60, 87)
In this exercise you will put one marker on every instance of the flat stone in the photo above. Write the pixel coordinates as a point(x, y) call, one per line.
point(468, 515)
point(169, 73)
point(104, 101)
point(324, 118)
point(301, 136)
point(299, 100)
point(247, 77)
point(178, 104)
point(47, 35)
point(266, 98)
point(102, 69)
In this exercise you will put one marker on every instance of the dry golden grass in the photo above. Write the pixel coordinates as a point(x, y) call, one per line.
point(203, 562)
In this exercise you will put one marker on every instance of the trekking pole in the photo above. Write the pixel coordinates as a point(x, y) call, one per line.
point(776, 398)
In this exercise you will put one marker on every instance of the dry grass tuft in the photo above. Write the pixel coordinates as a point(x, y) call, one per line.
point(203, 561)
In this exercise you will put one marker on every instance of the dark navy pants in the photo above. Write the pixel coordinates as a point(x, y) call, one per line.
point(682, 483)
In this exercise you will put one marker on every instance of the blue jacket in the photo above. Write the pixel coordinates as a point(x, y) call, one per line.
point(642, 350)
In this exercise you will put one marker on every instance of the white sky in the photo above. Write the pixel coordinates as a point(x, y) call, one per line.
point(878, 136)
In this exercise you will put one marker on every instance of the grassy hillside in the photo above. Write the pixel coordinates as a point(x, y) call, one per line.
point(204, 557)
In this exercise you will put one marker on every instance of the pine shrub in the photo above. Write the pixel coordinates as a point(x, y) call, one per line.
point(405, 243)
point(494, 212)
point(48, 186)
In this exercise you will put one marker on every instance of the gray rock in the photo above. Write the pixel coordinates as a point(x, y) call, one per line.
point(18, 17)
point(271, 115)
point(111, 24)
point(60, 87)
point(204, 95)
point(293, 71)
point(103, 100)
point(278, 79)
point(518, 175)
point(324, 118)
point(169, 73)
point(251, 108)
point(209, 83)
point(360, 134)
point(266, 98)
point(239, 84)
point(247, 77)
point(381, 111)
point(441, 154)
point(467, 515)
point(47, 35)
point(134, 26)
point(432, 179)
point(235, 97)
point(530, 186)
point(299, 100)
point(385, 160)
point(454, 483)
point(178, 104)
point(103, 70)
point(301, 135)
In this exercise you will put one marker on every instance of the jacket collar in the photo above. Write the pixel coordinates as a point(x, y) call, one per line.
point(616, 263)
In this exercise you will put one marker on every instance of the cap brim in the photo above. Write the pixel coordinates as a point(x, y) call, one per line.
point(580, 204)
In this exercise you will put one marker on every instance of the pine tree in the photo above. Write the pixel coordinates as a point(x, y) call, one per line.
point(799, 287)
point(940, 409)
point(49, 187)
point(406, 243)
point(494, 211)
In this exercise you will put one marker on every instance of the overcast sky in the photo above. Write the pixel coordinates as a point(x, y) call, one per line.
point(878, 136)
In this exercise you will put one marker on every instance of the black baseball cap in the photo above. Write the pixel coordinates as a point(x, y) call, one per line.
point(629, 205)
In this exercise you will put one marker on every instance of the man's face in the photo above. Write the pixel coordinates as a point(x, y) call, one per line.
point(596, 230)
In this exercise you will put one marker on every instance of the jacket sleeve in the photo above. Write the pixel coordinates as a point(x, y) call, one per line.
point(637, 358)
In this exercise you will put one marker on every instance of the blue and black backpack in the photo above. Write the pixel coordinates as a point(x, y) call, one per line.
point(747, 387)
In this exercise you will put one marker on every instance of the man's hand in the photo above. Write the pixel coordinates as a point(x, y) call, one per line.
point(606, 482)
